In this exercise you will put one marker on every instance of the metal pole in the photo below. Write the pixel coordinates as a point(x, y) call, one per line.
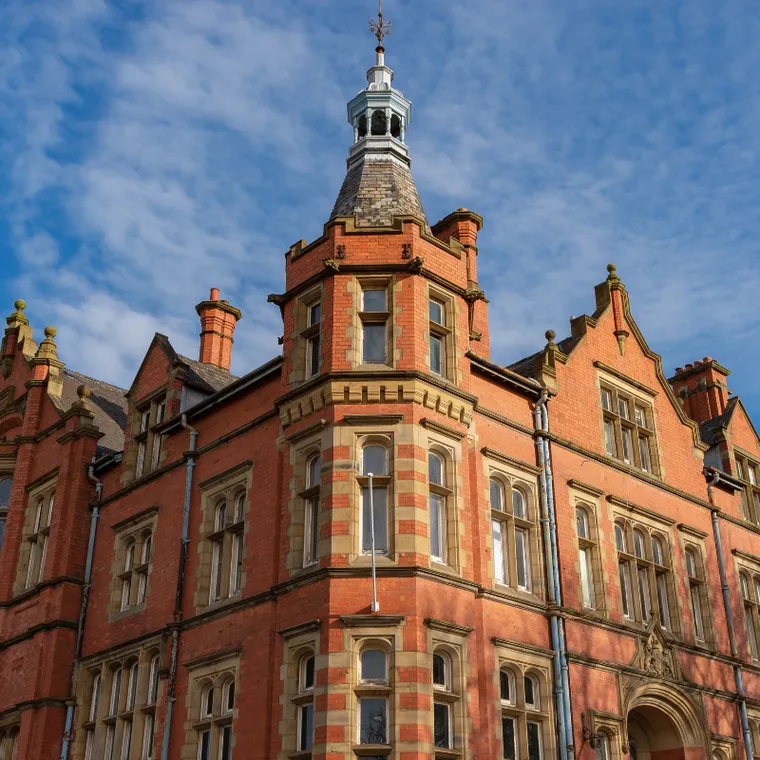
point(375, 604)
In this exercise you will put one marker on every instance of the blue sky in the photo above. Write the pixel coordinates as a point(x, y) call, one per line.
point(150, 150)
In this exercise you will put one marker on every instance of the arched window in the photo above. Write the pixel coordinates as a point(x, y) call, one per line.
point(361, 126)
point(153, 680)
point(624, 572)
point(305, 737)
point(532, 693)
point(95, 697)
point(603, 746)
point(511, 535)
point(206, 714)
point(586, 551)
point(132, 687)
point(227, 546)
point(522, 718)
point(8, 742)
point(217, 567)
point(225, 728)
point(114, 705)
point(311, 510)
point(438, 507)
point(374, 461)
point(751, 612)
point(236, 561)
point(379, 122)
point(696, 583)
point(373, 710)
point(642, 575)
point(446, 700)
point(395, 126)
point(662, 580)
point(92, 716)
point(507, 686)
point(126, 583)
point(38, 541)
point(5, 500)
point(134, 576)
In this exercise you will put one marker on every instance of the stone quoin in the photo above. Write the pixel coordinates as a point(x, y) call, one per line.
point(381, 543)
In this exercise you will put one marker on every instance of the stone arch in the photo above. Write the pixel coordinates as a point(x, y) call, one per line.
point(662, 721)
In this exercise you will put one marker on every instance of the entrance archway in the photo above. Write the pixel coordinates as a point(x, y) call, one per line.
point(664, 724)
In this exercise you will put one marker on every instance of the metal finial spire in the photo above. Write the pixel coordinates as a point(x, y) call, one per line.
point(379, 27)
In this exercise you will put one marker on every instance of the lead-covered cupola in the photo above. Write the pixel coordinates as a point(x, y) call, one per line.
point(378, 183)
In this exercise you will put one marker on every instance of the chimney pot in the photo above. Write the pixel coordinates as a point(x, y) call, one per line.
point(679, 370)
point(689, 366)
point(214, 295)
point(707, 359)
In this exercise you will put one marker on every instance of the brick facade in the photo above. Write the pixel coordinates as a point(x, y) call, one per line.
point(234, 643)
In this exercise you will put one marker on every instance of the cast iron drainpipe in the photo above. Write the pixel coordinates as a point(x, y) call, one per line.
point(714, 480)
point(82, 610)
point(171, 696)
point(561, 677)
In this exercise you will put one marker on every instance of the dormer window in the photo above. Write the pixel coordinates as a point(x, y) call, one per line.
point(148, 438)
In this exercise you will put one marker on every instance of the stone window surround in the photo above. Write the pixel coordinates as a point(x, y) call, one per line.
point(450, 640)
point(135, 529)
point(227, 485)
point(356, 287)
point(447, 332)
point(602, 722)
point(753, 714)
point(512, 474)
point(451, 453)
point(751, 494)
point(632, 391)
point(751, 570)
point(708, 623)
point(650, 526)
point(215, 670)
point(147, 441)
point(8, 741)
point(4, 475)
point(303, 331)
point(313, 439)
point(298, 644)
point(43, 492)
point(521, 661)
point(360, 690)
point(724, 747)
point(599, 579)
point(140, 715)
point(387, 440)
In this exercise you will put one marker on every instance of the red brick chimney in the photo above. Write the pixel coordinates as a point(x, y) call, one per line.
point(218, 320)
point(463, 225)
point(702, 389)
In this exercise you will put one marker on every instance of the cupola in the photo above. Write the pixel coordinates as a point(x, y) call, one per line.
point(378, 183)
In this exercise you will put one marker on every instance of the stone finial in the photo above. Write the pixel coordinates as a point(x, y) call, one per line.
point(550, 335)
point(18, 317)
point(83, 391)
point(613, 275)
point(48, 349)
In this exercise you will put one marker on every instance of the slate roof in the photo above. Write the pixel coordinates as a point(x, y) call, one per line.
point(108, 402)
point(205, 377)
point(527, 365)
point(376, 191)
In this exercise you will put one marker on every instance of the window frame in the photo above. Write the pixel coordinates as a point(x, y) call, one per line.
point(375, 317)
point(380, 482)
point(628, 430)
point(149, 416)
point(748, 472)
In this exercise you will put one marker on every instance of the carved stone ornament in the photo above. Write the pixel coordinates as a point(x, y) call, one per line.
point(655, 655)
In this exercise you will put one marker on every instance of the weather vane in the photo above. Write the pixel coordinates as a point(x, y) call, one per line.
point(379, 28)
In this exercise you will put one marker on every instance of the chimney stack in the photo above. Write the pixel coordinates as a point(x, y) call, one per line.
point(218, 320)
point(702, 389)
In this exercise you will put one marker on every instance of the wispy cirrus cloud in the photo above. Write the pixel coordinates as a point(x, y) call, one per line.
point(154, 152)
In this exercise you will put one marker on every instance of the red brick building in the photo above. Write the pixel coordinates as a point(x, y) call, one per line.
point(566, 559)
